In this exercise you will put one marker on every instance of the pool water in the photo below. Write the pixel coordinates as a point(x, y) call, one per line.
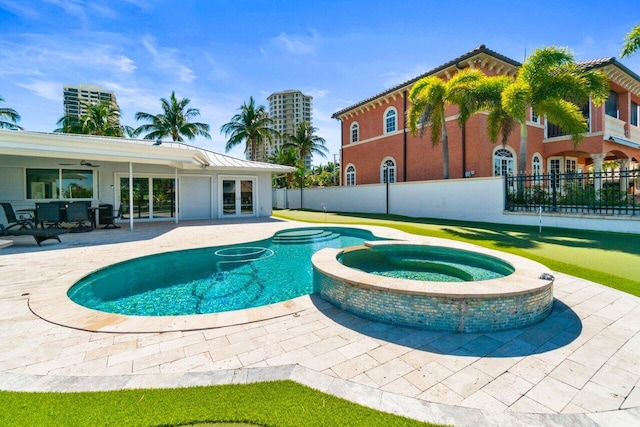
point(427, 263)
point(215, 279)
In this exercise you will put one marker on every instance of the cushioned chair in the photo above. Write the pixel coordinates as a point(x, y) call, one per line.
point(78, 214)
point(108, 216)
point(48, 215)
point(13, 220)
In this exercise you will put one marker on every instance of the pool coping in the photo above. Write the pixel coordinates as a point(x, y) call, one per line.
point(525, 279)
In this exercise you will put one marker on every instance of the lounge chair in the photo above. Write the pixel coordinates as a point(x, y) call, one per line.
point(39, 234)
point(13, 220)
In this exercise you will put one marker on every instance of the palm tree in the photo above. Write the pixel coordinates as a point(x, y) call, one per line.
point(551, 83)
point(252, 125)
point(463, 91)
point(99, 119)
point(173, 121)
point(631, 42)
point(284, 156)
point(427, 97)
point(499, 122)
point(8, 117)
point(306, 143)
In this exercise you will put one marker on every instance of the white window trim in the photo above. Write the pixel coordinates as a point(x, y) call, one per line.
point(531, 118)
point(351, 140)
point(346, 175)
point(384, 120)
point(538, 156)
point(395, 170)
point(493, 156)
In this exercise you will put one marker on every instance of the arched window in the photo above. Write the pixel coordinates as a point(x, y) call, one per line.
point(536, 164)
point(350, 175)
point(388, 169)
point(355, 132)
point(390, 120)
point(536, 168)
point(503, 162)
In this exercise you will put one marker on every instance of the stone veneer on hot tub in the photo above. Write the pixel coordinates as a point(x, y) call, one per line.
point(514, 301)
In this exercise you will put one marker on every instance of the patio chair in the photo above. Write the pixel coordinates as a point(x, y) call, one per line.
point(48, 215)
point(78, 213)
point(108, 216)
point(13, 220)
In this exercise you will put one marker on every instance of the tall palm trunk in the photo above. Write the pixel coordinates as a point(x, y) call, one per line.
point(445, 150)
point(522, 155)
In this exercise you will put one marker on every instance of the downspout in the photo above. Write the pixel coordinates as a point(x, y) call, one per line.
point(464, 150)
point(341, 143)
point(404, 138)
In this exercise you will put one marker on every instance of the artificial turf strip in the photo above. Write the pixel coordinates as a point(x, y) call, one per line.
point(279, 403)
point(611, 259)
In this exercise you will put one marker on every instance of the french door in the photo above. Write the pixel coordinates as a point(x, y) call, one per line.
point(237, 197)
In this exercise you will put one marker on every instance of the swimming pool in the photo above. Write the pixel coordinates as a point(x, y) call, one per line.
point(214, 279)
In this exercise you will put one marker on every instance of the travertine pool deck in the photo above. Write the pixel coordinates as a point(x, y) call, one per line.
point(581, 366)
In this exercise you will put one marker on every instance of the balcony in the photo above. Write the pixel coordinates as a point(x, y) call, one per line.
point(614, 127)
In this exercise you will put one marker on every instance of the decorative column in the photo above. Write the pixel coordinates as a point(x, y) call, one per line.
point(598, 161)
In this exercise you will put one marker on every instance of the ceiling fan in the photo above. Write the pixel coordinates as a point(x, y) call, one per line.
point(82, 163)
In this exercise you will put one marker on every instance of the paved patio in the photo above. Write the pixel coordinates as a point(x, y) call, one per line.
point(581, 366)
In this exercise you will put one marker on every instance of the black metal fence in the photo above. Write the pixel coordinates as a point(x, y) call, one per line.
point(597, 193)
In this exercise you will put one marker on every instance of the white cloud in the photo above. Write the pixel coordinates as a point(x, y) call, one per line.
point(103, 10)
point(71, 7)
point(316, 93)
point(51, 90)
point(167, 60)
point(396, 77)
point(19, 8)
point(217, 71)
point(296, 44)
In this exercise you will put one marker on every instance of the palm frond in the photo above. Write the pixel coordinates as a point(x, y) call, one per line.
point(631, 42)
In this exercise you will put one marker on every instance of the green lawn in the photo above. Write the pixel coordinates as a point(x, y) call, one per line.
point(612, 259)
point(281, 403)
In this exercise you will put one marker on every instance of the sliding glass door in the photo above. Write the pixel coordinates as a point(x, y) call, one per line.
point(153, 198)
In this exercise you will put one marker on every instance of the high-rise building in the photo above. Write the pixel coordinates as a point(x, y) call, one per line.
point(287, 109)
point(75, 98)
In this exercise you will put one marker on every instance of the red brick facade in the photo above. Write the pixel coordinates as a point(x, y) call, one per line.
point(416, 159)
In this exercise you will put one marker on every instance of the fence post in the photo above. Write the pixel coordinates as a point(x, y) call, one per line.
point(506, 192)
point(554, 192)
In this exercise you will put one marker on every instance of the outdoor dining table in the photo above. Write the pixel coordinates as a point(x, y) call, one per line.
point(92, 210)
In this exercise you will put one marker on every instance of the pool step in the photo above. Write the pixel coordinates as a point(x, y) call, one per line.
point(304, 236)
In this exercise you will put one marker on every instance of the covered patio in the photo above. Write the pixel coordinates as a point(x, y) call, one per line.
point(148, 180)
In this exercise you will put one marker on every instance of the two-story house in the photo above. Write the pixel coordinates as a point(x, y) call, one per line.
point(376, 142)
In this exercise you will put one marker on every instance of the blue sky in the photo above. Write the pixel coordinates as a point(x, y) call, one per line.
point(218, 53)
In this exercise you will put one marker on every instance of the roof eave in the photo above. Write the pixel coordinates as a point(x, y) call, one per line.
point(449, 67)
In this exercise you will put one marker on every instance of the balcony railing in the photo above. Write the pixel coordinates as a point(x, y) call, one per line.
point(614, 127)
point(596, 193)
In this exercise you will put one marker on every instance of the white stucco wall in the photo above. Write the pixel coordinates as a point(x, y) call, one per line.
point(477, 199)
